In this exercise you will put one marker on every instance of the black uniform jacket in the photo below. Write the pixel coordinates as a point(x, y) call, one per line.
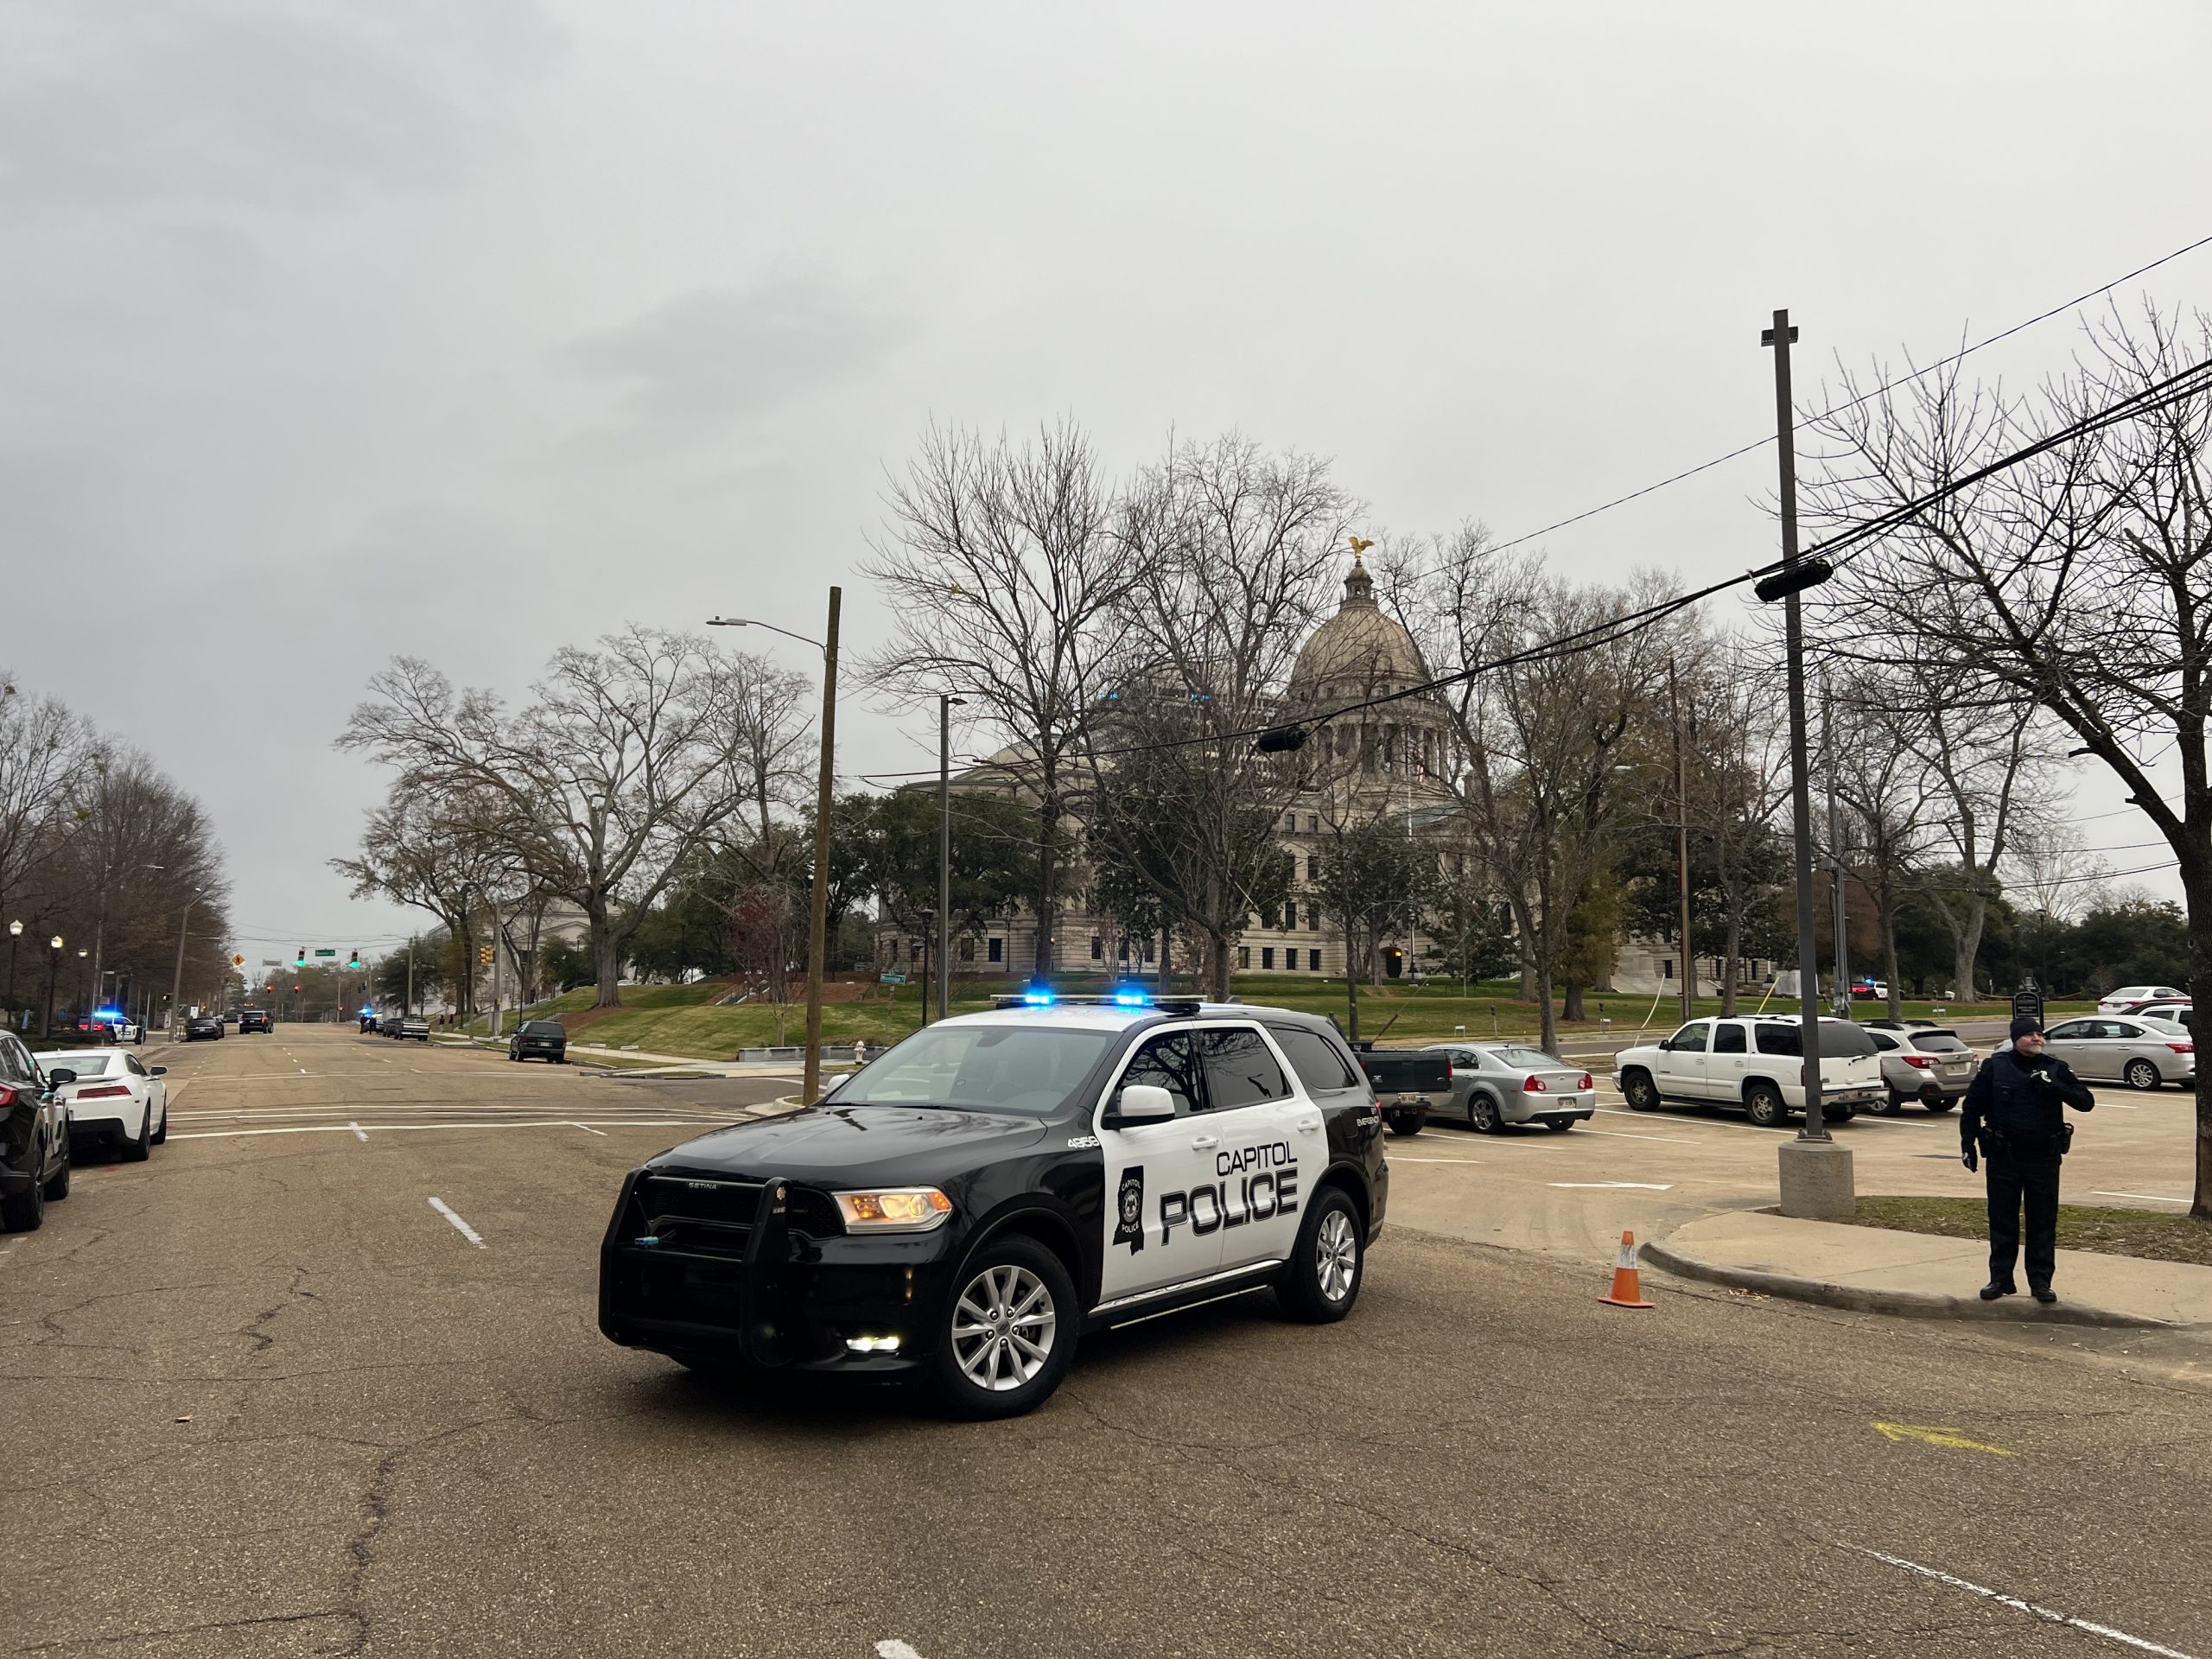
point(2013, 1104)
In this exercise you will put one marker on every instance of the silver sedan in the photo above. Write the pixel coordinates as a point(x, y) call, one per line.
point(1494, 1084)
point(2141, 1053)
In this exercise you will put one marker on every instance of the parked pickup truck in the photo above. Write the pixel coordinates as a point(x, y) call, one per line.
point(1408, 1083)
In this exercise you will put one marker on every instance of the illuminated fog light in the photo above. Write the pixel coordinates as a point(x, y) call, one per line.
point(873, 1345)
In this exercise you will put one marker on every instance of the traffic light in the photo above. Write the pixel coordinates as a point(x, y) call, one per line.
point(295, 988)
point(300, 961)
point(483, 955)
point(355, 962)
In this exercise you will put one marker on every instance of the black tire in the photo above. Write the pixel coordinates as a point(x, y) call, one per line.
point(1405, 1123)
point(58, 1187)
point(1891, 1104)
point(162, 1134)
point(25, 1213)
point(1763, 1103)
point(1641, 1093)
point(992, 1318)
point(1315, 1268)
point(1559, 1125)
point(1483, 1114)
point(2140, 1074)
point(1940, 1105)
point(136, 1151)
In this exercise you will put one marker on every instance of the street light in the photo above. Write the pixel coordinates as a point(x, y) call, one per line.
point(818, 920)
point(14, 943)
point(945, 704)
point(177, 986)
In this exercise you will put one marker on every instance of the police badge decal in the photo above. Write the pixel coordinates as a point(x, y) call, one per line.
point(1129, 1209)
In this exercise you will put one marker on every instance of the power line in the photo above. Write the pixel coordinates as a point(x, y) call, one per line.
point(1889, 386)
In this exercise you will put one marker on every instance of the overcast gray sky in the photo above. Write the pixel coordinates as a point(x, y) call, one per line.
point(463, 330)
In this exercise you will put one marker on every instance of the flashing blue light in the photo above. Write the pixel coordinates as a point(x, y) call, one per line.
point(1131, 999)
point(1038, 997)
point(368, 1010)
point(109, 1014)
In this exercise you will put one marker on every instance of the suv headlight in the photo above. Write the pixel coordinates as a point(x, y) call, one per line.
point(895, 1210)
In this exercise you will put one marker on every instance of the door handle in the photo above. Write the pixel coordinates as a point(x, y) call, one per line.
point(1309, 1128)
point(1203, 1141)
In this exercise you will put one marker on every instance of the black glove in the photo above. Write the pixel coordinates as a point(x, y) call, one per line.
point(1970, 1158)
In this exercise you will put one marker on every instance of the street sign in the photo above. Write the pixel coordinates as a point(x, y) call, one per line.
point(2027, 1001)
point(322, 950)
point(891, 979)
point(238, 962)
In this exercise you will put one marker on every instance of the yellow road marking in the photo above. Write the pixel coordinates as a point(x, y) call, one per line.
point(1950, 1437)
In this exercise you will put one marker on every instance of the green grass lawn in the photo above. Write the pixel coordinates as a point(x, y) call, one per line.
point(2109, 1232)
point(678, 1019)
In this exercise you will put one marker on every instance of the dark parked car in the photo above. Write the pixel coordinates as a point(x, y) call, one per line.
point(34, 1137)
point(539, 1040)
point(202, 1025)
point(253, 1020)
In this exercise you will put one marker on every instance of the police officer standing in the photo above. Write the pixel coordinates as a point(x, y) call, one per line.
point(2014, 1116)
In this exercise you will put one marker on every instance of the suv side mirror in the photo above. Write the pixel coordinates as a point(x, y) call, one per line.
point(1666, 1042)
point(1144, 1102)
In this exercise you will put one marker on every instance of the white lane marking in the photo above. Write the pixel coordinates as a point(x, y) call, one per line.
point(2031, 1608)
point(395, 1129)
point(1641, 1186)
point(1623, 1134)
point(460, 1226)
point(587, 1129)
point(2155, 1198)
point(895, 1649)
point(1400, 1158)
point(360, 1134)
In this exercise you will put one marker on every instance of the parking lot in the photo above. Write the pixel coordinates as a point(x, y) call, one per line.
point(278, 1401)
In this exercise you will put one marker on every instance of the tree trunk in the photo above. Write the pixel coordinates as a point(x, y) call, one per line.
point(1166, 959)
point(2197, 887)
point(1546, 957)
point(1351, 983)
point(607, 961)
point(1048, 847)
point(1218, 948)
point(1574, 999)
point(1731, 961)
point(1886, 904)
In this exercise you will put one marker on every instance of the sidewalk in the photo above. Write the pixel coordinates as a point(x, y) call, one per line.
point(636, 1062)
point(1875, 1269)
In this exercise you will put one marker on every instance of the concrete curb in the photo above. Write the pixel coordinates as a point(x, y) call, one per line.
point(1901, 1304)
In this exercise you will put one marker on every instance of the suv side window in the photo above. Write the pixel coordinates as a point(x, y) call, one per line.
point(1314, 1057)
point(1728, 1038)
point(1884, 1041)
point(1171, 1061)
point(1241, 1071)
point(1690, 1040)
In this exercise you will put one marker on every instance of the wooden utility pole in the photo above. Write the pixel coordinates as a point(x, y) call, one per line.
point(1682, 844)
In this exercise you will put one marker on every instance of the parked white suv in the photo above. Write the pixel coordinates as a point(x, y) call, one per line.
point(1753, 1063)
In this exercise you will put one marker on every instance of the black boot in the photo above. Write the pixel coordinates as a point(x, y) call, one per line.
point(2043, 1294)
point(1995, 1288)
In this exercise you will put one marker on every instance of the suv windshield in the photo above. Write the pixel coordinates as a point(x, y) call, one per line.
point(998, 1068)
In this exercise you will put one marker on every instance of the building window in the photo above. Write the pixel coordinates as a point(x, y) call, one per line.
point(1313, 960)
point(1098, 948)
point(967, 950)
point(1313, 918)
point(1243, 956)
point(1266, 955)
point(1123, 950)
point(1313, 867)
point(1147, 949)
point(997, 946)
point(1312, 823)
point(1667, 967)
point(1290, 821)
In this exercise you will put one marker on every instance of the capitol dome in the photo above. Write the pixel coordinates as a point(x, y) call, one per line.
point(1358, 651)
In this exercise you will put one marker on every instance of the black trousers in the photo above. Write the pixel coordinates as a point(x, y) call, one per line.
point(2016, 1182)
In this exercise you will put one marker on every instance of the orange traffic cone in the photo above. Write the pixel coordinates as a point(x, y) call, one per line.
point(1627, 1292)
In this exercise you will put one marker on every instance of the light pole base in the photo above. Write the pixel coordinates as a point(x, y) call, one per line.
point(1816, 1181)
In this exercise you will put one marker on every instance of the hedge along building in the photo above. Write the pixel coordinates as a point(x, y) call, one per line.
point(1370, 764)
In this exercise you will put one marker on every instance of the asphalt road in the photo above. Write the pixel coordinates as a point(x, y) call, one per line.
point(262, 1398)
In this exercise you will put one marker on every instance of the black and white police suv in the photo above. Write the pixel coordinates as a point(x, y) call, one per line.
point(964, 1207)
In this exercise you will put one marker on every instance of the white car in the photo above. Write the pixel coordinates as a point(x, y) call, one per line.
point(114, 1098)
point(2132, 998)
point(1752, 1063)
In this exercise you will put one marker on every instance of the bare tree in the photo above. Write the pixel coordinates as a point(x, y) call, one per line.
point(1232, 553)
point(442, 851)
point(42, 746)
point(1739, 776)
point(1877, 767)
point(2073, 583)
point(623, 764)
point(1004, 573)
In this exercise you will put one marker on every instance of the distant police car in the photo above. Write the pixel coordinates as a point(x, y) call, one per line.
point(995, 1185)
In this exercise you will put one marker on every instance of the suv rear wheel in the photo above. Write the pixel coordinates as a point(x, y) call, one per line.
point(1762, 1100)
point(1320, 1281)
point(1009, 1337)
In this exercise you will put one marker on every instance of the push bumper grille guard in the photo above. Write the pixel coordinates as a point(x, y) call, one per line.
point(768, 1328)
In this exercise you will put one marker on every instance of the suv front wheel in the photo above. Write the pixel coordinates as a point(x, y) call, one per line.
point(1641, 1093)
point(1009, 1337)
